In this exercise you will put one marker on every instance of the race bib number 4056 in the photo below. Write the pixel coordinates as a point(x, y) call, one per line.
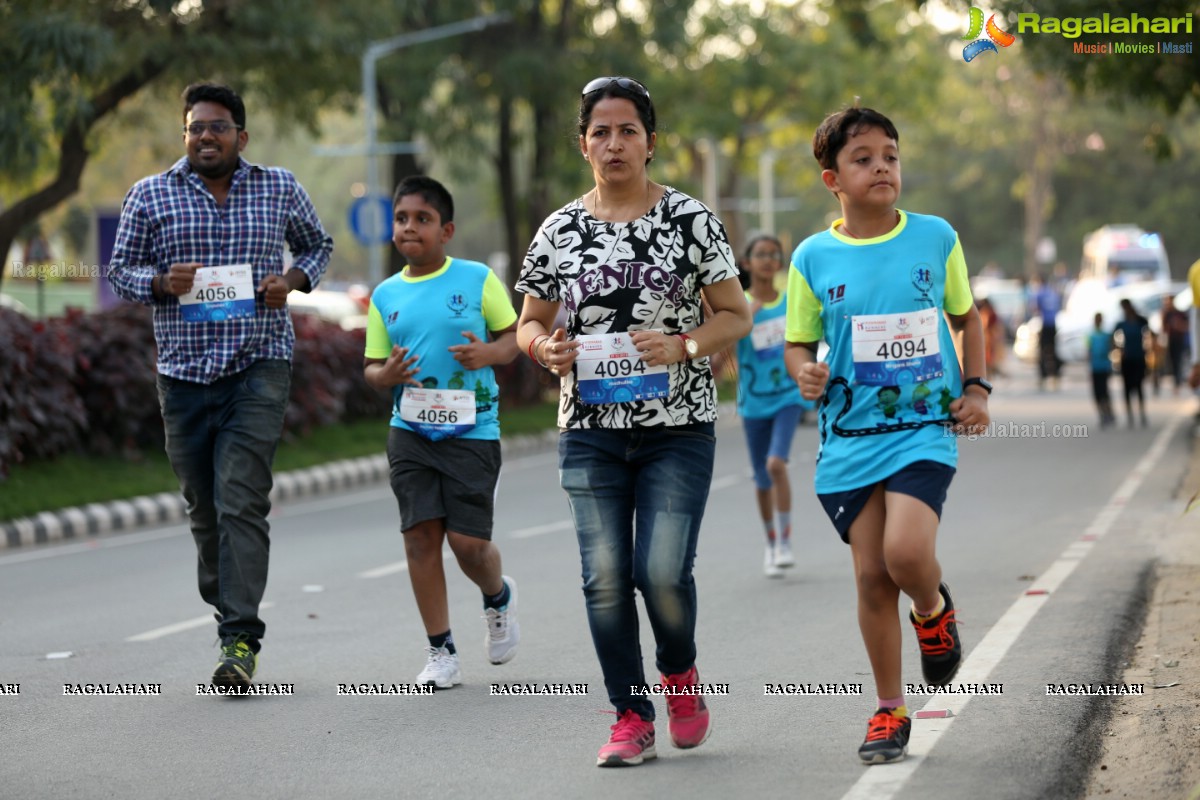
point(438, 413)
point(609, 369)
point(219, 294)
point(896, 349)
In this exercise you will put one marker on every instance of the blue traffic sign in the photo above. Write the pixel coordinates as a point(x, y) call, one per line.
point(371, 219)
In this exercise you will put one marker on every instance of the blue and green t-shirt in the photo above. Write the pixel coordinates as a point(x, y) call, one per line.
point(428, 315)
point(1099, 344)
point(764, 386)
point(894, 371)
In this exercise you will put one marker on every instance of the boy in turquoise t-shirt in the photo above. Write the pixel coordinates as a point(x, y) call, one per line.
point(428, 342)
point(888, 291)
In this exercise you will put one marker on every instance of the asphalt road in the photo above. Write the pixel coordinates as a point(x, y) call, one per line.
point(1063, 516)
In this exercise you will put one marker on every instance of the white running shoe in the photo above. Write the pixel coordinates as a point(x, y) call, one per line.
point(783, 554)
point(503, 632)
point(441, 670)
point(770, 568)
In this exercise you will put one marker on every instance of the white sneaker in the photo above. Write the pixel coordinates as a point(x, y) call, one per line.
point(783, 553)
point(503, 633)
point(770, 568)
point(441, 670)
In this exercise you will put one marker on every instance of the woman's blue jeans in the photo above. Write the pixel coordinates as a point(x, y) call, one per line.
point(637, 497)
point(221, 440)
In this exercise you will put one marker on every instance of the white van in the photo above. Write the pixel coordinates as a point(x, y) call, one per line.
point(1121, 254)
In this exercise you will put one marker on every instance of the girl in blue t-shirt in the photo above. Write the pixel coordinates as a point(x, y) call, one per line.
point(769, 401)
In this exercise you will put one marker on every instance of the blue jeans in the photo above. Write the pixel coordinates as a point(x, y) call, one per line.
point(770, 436)
point(637, 497)
point(221, 440)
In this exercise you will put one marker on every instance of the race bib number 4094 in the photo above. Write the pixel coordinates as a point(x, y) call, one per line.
point(219, 294)
point(609, 369)
point(896, 349)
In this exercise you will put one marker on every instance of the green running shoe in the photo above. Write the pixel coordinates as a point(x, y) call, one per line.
point(236, 667)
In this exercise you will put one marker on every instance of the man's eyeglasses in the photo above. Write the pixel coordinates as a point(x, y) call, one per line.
point(628, 84)
point(219, 128)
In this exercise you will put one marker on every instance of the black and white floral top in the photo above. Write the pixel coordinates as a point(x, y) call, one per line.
point(613, 277)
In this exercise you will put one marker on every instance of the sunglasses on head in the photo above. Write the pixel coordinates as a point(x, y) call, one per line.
point(628, 84)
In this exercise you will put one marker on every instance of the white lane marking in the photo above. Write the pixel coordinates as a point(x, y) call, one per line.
point(398, 566)
point(179, 627)
point(532, 462)
point(385, 570)
point(725, 482)
point(883, 783)
point(565, 524)
point(538, 530)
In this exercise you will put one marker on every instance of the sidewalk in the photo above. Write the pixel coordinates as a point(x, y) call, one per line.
point(80, 522)
point(1150, 746)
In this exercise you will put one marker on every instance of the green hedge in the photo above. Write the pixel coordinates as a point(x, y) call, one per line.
point(84, 383)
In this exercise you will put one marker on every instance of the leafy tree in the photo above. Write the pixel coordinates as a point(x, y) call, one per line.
point(1165, 81)
point(506, 99)
point(72, 63)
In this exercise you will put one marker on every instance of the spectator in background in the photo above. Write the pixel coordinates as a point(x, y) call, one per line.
point(1046, 304)
point(1134, 331)
point(203, 245)
point(1175, 331)
point(1193, 277)
point(1099, 355)
point(993, 336)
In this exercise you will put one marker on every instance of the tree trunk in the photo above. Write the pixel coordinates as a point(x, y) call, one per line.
point(73, 154)
point(506, 181)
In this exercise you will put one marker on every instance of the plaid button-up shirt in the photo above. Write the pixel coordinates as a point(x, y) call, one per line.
point(173, 218)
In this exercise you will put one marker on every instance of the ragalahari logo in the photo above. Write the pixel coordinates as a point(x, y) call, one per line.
point(995, 36)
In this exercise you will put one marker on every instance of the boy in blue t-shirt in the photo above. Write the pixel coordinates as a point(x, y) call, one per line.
point(888, 291)
point(428, 342)
point(1099, 344)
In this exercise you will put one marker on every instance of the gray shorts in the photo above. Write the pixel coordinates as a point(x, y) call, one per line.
point(452, 479)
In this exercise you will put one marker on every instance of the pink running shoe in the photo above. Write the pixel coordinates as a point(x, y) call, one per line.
point(631, 743)
point(687, 713)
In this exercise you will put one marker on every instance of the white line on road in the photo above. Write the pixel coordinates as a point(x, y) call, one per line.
point(385, 570)
point(883, 783)
point(538, 530)
point(179, 627)
point(724, 482)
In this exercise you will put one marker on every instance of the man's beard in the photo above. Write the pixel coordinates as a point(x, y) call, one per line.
point(213, 170)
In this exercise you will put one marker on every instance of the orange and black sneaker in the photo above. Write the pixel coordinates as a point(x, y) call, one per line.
point(941, 647)
point(887, 738)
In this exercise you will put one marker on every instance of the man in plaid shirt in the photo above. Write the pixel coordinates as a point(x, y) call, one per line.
point(202, 243)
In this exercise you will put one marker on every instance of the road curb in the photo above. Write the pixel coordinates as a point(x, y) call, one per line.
point(165, 508)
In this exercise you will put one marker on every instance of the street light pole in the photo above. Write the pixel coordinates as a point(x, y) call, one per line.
point(766, 192)
point(376, 51)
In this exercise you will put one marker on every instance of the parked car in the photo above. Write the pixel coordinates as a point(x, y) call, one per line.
point(1183, 300)
point(1007, 297)
point(1076, 320)
point(341, 307)
point(12, 303)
